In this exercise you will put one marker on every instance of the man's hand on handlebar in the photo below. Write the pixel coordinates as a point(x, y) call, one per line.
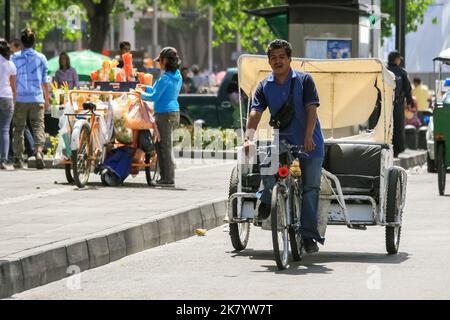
point(249, 146)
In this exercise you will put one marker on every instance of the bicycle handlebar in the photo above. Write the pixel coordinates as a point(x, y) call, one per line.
point(292, 148)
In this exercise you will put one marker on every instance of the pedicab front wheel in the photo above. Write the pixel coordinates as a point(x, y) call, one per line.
point(239, 232)
point(280, 235)
point(82, 158)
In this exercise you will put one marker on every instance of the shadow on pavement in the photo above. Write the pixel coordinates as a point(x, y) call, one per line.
point(126, 185)
point(315, 263)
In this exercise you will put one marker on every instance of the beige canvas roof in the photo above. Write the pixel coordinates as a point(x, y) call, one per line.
point(346, 90)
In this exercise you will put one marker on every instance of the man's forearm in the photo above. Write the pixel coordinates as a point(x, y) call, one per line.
point(46, 91)
point(311, 120)
point(252, 124)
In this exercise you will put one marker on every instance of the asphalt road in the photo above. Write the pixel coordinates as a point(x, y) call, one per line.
point(352, 265)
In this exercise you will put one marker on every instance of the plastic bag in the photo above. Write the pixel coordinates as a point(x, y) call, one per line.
point(63, 151)
point(138, 117)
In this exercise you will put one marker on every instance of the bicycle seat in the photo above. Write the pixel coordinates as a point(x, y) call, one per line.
point(89, 106)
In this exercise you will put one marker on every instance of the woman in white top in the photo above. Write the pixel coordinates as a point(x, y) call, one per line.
point(7, 99)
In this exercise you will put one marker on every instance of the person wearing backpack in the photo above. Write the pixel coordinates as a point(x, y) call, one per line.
point(298, 125)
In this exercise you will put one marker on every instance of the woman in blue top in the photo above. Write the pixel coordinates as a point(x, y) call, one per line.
point(164, 95)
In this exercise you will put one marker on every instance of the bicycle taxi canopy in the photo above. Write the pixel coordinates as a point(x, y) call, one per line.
point(348, 91)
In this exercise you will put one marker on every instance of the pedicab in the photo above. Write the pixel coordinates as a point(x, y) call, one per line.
point(441, 120)
point(88, 136)
point(360, 185)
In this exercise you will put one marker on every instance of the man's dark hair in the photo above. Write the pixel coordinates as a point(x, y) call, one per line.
point(16, 43)
point(393, 55)
point(279, 44)
point(28, 38)
point(125, 45)
point(5, 50)
point(417, 80)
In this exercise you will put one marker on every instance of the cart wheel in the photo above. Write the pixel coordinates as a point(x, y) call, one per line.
point(109, 179)
point(81, 158)
point(441, 168)
point(295, 238)
point(151, 172)
point(103, 178)
point(280, 237)
point(239, 232)
point(69, 177)
point(393, 213)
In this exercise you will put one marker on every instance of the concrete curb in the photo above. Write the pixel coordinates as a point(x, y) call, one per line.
point(406, 162)
point(38, 268)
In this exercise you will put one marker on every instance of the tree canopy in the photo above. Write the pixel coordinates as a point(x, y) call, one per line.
point(230, 19)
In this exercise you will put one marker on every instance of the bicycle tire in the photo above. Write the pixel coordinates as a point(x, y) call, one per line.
point(295, 239)
point(81, 158)
point(279, 228)
point(393, 202)
point(68, 171)
point(441, 168)
point(239, 232)
point(151, 172)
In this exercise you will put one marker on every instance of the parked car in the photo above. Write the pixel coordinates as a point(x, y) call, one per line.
point(215, 110)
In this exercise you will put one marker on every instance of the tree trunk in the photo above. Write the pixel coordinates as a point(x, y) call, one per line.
point(98, 33)
point(98, 14)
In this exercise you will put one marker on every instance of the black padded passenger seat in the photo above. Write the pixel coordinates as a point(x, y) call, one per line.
point(357, 166)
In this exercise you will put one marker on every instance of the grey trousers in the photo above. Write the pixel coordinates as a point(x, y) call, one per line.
point(34, 112)
point(167, 122)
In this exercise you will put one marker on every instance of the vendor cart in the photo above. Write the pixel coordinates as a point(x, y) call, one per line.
point(88, 135)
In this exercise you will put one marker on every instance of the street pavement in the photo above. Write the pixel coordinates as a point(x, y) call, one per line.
point(352, 265)
point(39, 208)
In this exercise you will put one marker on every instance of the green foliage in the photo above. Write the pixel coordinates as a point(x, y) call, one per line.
point(415, 12)
point(48, 15)
point(51, 151)
point(230, 19)
point(209, 138)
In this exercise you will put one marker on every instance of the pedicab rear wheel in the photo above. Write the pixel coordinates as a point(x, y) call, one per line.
point(151, 172)
point(68, 170)
point(82, 158)
point(441, 167)
point(239, 232)
point(393, 212)
point(280, 234)
point(294, 235)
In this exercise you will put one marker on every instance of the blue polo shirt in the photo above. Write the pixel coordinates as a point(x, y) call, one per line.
point(31, 74)
point(273, 95)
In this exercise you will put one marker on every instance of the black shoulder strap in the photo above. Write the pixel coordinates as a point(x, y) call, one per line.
point(291, 90)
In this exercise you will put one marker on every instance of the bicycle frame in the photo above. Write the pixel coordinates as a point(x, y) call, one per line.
point(92, 123)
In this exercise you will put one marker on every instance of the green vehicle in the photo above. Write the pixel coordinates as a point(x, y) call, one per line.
point(441, 121)
point(213, 110)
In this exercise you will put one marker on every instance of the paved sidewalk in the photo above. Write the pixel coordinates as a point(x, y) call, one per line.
point(47, 225)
